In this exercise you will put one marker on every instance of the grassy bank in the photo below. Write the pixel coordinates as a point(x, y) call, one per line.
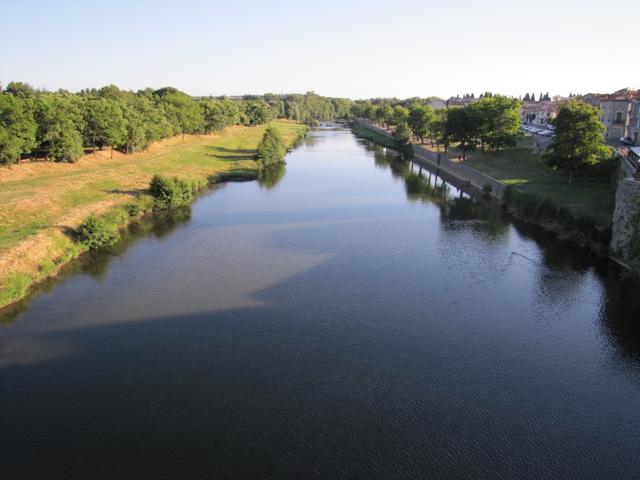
point(527, 173)
point(374, 136)
point(43, 203)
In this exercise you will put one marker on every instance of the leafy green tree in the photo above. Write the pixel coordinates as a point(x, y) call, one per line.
point(497, 121)
point(17, 128)
point(272, 149)
point(256, 111)
point(60, 120)
point(461, 126)
point(104, 123)
point(579, 139)
point(219, 114)
point(400, 115)
point(66, 145)
point(402, 134)
point(20, 89)
point(419, 120)
point(437, 129)
point(182, 112)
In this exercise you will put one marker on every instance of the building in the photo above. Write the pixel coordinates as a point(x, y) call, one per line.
point(633, 133)
point(619, 114)
point(538, 113)
point(458, 101)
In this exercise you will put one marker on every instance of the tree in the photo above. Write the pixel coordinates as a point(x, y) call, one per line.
point(461, 126)
point(579, 139)
point(437, 129)
point(256, 111)
point(20, 89)
point(219, 114)
point(379, 113)
point(271, 150)
point(17, 128)
point(402, 134)
point(182, 112)
point(60, 120)
point(419, 120)
point(400, 115)
point(497, 120)
point(105, 123)
point(527, 97)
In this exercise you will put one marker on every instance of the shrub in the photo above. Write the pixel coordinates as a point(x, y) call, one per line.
point(133, 209)
point(170, 192)
point(271, 150)
point(96, 232)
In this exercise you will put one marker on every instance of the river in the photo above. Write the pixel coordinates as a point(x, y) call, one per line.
point(349, 317)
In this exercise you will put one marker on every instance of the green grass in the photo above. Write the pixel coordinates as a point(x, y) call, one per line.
point(374, 136)
point(14, 287)
point(527, 172)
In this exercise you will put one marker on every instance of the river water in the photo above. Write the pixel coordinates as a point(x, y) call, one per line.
point(350, 317)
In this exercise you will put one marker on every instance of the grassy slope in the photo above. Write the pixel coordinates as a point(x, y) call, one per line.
point(528, 173)
point(43, 201)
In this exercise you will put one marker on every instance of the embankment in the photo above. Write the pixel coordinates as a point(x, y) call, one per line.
point(625, 238)
point(43, 203)
point(530, 208)
point(440, 163)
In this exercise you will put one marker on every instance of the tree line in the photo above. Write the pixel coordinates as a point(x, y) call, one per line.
point(60, 126)
point(491, 122)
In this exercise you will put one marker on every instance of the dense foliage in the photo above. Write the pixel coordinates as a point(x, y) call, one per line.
point(492, 120)
point(272, 149)
point(579, 142)
point(61, 126)
point(170, 192)
point(96, 232)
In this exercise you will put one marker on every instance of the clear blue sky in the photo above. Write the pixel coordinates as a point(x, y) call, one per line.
point(346, 48)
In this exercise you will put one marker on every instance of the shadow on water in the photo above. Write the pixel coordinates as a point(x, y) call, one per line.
point(254, 380)
point(344, 369)
point(96, 262)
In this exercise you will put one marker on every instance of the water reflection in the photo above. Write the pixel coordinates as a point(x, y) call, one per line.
point(561, 272)
point(270, 177)
point(277, 333)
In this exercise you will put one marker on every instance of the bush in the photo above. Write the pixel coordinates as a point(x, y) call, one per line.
point(133, 209)
point(272, 149)
point(96, 232)
point(170, 192)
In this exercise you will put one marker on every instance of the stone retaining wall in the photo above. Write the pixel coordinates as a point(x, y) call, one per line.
point(625, 230)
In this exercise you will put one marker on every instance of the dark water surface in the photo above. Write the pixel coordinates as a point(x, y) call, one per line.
point(347, 319)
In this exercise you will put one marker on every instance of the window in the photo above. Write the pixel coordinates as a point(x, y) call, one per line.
point(618, 117)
